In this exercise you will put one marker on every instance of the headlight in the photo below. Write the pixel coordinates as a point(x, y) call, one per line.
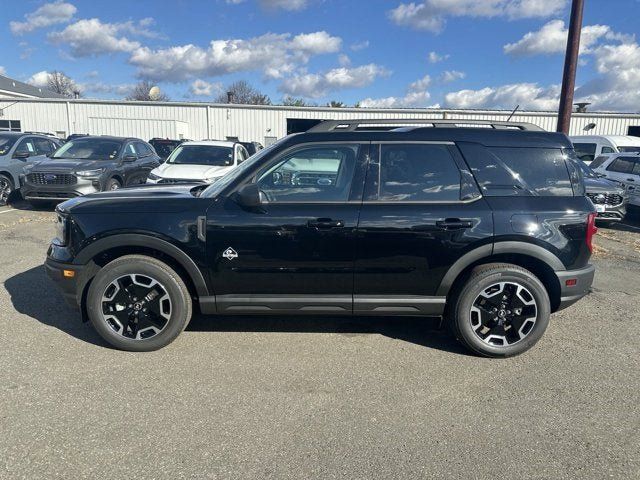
point(61, 229)
point(154, 177)
point(211, 180)
point(90, 173)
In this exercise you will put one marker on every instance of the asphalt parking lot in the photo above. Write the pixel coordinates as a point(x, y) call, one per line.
point(314, 397)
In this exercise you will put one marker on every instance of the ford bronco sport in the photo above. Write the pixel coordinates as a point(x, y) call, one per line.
point(485, 224)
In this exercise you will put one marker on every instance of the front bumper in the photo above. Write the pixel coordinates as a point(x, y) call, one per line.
point(83, 186)
point(70, 286)
point(575, 284)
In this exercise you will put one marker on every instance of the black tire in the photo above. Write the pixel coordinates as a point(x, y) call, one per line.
point(145, 267)
point(6, 189)
point(112, 184)
point(485, 280)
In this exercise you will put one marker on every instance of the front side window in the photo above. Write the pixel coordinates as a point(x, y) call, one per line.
point(26, 145)
point(43, 146)
point(320, 173)
point(215, 156)
point(89, 149)
point(414, 173)
point(622, 165)
point(598, 161)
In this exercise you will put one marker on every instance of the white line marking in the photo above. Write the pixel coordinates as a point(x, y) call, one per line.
point(9, 210)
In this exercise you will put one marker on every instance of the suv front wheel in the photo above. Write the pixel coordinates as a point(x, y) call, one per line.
point(500, 311)
point(138, 303)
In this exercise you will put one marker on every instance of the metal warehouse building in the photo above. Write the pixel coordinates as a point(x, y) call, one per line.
point(247, 122)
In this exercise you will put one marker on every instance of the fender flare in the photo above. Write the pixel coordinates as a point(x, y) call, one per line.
point(141, 240)
point(520, 248)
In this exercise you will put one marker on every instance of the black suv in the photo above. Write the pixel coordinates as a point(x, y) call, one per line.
point(488, 227)
point(89, 164)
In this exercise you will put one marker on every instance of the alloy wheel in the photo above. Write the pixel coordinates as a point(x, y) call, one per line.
point(5, 191)
point(136, 306)
point(503, 314)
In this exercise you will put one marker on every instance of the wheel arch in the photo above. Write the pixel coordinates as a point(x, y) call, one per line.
point(14, 179)
point(542, 263)
point(109, 248)
point(118, 177)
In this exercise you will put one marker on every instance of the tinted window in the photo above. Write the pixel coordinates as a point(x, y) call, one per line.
point(636, 168)
point(627, 149)
point(164, 147)
point(598, 161)
point(85, 148)
point(6, 142)
point(585, 151)
point(143, 149)
point(312, 174)
point(414, 173)
point(607, 150)
point(622, 165)
point(43, 146)
point(26, 145)
point(202, 155)
point(518, 171)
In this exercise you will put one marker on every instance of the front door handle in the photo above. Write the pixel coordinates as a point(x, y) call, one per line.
point(454, 224)
point(325, 223)
point(631, 180)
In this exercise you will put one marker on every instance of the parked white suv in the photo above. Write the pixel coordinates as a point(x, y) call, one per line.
point(588, 147)
point(623, 168)
point(199, 162)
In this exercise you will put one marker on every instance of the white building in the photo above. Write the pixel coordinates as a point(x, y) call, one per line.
point(265, 124)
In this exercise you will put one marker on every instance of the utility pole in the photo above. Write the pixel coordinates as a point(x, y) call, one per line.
point(570, 67)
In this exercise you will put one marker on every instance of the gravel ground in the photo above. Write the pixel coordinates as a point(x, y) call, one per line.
point(314, 397)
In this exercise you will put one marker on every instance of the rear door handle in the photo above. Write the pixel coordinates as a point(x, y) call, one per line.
point(325, 223)
point(454, 224)
point(631, 180)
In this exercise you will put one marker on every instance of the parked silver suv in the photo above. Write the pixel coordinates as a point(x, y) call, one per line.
point(18, 150)
point(623, 168)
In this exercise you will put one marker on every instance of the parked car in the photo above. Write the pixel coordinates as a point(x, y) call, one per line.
point(199, 162)
point(609, 197)
point(164, 146)
point(623, 168)
point(75, 135)
point(588, 147)
point(344, 219)
point(17, 151)
point(89, 164)
point(252, 147)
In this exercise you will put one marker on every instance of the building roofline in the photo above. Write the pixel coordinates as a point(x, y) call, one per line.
point(360, 110)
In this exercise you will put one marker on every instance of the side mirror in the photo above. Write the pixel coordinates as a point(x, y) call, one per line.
point(21, 155)
point(249, 196)
point(129, 158)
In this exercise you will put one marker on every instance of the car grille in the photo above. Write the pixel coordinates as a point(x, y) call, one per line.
point(178, 180)
point(605, 198)
point(44, 178)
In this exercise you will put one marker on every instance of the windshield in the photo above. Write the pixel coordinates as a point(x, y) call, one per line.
point(6, 142)
point(629, 149)
point(226, 180)
point(89, 149)
point(202, 155)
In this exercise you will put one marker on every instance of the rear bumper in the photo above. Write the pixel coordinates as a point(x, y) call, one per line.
point(570, 294)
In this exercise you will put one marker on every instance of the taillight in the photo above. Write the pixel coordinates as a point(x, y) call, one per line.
point(591, 230)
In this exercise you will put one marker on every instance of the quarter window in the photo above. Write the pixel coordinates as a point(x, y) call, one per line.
point(414, 173)
point(312, 174)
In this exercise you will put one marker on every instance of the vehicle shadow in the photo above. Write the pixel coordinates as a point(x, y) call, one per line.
point(34, 295)
point(19, 203)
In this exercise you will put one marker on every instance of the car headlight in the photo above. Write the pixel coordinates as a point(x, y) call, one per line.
point(154, 177)
point(62, 223)
point(90, 173)
point(211, 179)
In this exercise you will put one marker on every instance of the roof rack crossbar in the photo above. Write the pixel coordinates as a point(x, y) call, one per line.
point(352, 125)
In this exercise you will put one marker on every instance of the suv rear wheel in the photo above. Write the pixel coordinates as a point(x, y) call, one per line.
point(501, 310)
point(113, 184)
point(6, 189)
point(138, 303)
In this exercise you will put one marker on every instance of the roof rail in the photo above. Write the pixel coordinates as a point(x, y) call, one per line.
point(377, 123)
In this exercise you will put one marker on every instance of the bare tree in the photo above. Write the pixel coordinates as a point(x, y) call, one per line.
point(336, 104)
point(60, 83)
point(242, 92)
point(143, 92)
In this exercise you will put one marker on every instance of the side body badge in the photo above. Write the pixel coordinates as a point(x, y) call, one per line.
point(230, 254)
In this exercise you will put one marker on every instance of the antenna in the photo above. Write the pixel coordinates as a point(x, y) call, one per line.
point(513, 113)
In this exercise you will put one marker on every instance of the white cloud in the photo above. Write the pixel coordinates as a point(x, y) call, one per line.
point(431, 15)
point(449, 76)
point(356, 47)
point(344, 60)
point(435, 57)
point(276, 55)
point(48, 14)
point(416, 96)
point(552, 38)
point(290, 5)
point(529, 96)
point(93, 37)
point(40, 79)
point(121, 89)
point(3, 71)
point(315, 85)
point(202, 88)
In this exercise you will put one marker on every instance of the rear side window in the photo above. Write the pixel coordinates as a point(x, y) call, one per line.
point(414, 173)
point(508, 171)
point(622, 165)
point(43, 146)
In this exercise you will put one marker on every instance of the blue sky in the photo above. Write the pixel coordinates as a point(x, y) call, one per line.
point(393, 53)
